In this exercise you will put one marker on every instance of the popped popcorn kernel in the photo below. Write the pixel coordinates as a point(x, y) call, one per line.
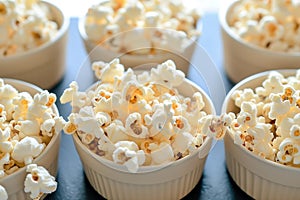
point(274, 131)
point(26, 150)
point(128, 153)
point(139, 119)
point(38, 181)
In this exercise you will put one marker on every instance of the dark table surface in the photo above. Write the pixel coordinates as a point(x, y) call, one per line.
point(215, 182)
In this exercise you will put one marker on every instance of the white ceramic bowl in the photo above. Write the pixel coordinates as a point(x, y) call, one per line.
point(180, 57)
point(45, 65)
point(260, 178)
point(242, 59)
point(14, 183)
point(171, 181)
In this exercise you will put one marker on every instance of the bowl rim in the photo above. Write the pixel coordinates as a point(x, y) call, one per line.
point(223, 16)
point(153, 168)
point(227, 100)
point(54, 138)
point(63, 27)
point(84, 37)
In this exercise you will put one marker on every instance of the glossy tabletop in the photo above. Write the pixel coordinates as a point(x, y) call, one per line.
point(215, 182)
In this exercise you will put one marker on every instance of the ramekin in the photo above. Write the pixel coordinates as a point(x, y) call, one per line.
point(14, 183)
point(242, 59)
point(169, 181)
point(45, 65)
point(181, 57)
point(260, 178)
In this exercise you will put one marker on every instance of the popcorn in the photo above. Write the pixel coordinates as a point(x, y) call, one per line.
point(295, 131)
point(87, 138)
point(271, 85)
point(28, 127)
point(106, 147)
point(5, 145)
point(38, 181)
point(271, 25)
point(163, 154)
point(21, 101)
point(161, 121)
point(24, 25)
point(138, 120)
point(130, 18)
point(180, 125)
point(215, 126)
point(167, 75)
point(134, 126)
point(274, 132)
point(105, 70)
point(77, 99)
point(3, 193)
point(128, 153)
point(289, 151)
point(116, 131)
point(7, 93)
point(4, 159)
point(88, 122)
point(26, 150)
point(182, 142)
point(245, 95)
point(151, 19)
point(70, 127)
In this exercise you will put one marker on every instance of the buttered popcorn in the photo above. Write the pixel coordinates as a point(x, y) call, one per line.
point(24, 25)
point(273, 25)
point(138, 119)
point(27, 125)
point(130, 20)
point(268, 123)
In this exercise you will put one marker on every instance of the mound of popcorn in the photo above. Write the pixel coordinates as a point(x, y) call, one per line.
point(152, 24)
point(138, 119)
point(274, 25)
point(24, 25)
point(27, 125)
point(268, 123)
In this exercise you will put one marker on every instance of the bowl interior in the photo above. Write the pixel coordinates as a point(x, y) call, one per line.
point(130, 54)
point(224, 18)
point(20, 174)
point(249, 82)
point(187, 88)
point(229, 106)
point(63, 23)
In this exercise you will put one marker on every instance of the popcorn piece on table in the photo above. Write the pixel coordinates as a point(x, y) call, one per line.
point(38, 181)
